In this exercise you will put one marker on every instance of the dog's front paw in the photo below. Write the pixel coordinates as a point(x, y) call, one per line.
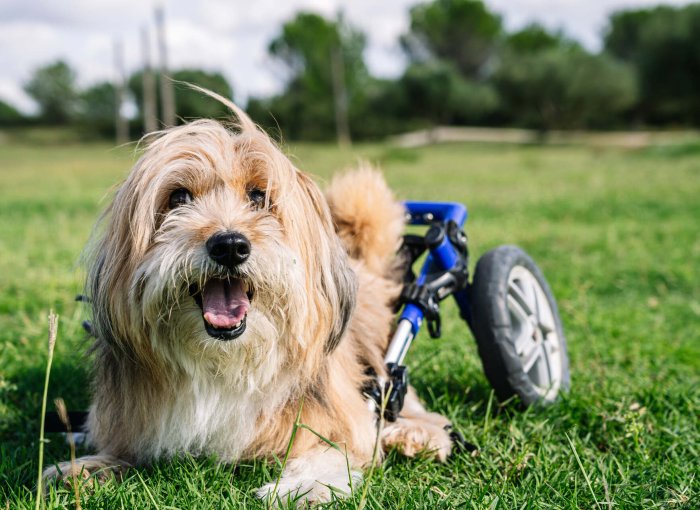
point(413, 436)
point(311, 479)
point(86, 470)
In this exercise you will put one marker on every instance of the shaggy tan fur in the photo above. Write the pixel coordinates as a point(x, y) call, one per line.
point(322, 271)
point(367, 217)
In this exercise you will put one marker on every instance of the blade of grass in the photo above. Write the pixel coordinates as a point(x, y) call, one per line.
point(605, 484)
point(377, 440)
point(580, 465)
point(63, 415)
point(53, 331)
point(295, 427)
point(148, 491)
point(347, 466)
point(487, 415)
point(325, 440)
point(335, 446)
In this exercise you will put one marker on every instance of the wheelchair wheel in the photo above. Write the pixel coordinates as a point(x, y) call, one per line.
point(517, 328)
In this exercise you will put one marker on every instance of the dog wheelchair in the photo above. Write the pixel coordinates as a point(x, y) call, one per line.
point(508, 307)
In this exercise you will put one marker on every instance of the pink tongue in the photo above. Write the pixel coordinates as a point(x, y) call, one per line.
point(224, 303)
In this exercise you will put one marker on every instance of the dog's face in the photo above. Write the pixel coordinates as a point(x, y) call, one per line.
point(215, 244)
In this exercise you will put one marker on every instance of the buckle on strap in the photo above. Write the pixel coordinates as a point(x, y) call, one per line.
point(427, 300)
point(394, 391)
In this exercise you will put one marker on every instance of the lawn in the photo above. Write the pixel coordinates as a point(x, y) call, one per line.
point(616, 233)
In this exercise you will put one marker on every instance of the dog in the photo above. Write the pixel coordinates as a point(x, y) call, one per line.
point(230, 298)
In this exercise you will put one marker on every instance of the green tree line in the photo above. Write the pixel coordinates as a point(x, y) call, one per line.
point(463, 68)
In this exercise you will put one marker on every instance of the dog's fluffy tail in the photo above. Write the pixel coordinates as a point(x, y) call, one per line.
point(367, 218)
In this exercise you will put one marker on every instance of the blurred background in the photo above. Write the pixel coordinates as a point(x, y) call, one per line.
point(322, 70)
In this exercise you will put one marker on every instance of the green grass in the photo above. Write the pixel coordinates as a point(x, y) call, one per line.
point(616, 233)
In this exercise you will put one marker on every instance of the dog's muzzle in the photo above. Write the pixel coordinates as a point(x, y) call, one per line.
point(225, 301)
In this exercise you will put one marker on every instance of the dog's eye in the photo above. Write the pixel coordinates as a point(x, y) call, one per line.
point(179, 197)
point(257, 198)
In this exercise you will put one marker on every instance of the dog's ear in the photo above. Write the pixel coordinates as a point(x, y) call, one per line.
point(345, 285)
point(335, 279)
point(119, 241)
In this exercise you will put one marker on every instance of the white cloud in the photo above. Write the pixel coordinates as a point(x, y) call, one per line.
point(12, 93)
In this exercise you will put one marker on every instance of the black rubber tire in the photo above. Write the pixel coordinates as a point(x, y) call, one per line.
point(491, 324)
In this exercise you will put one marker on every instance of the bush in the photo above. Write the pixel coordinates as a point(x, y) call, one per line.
point(436, 91)
point(9, 116)
point(563, 88)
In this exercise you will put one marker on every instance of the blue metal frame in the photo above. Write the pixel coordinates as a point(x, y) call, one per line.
point(443, 272)
point(442, 258)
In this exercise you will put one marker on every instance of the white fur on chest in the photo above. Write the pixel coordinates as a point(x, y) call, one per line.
point(215, 408)
point(206, 418)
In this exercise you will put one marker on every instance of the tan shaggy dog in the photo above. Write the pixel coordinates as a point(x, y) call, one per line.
point(226, 291)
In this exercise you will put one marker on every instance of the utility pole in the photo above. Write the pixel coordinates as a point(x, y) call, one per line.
point(121, 124)
point(340, 98)
point(167, 94)
point(150, 121)
point(340, 93)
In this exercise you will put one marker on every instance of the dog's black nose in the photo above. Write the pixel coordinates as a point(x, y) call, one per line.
point(228, 249)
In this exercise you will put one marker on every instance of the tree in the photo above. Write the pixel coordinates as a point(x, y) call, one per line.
point(304, 48)
point(9, 116)
point(386, 110)
point(564, 87)
point(97, 108)
point(663, 45)
point(625, 31)
point(53, 88)
point(463, 32)
point(534, 38)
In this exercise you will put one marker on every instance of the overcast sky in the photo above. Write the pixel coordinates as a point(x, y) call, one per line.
point(231, 36)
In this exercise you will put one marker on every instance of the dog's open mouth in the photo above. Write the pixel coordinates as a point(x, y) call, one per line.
point(224, 303)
